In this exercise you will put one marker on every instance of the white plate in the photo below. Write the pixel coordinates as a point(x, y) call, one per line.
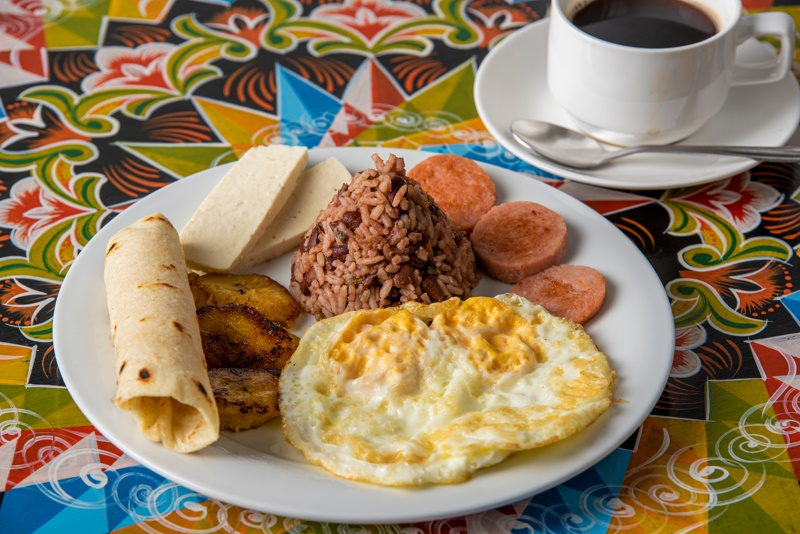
point(511, 84)
point(257, 469)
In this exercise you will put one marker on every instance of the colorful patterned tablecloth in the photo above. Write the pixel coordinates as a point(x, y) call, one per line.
point(105, 101)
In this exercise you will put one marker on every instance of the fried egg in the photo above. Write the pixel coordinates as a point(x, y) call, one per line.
point(430, 393)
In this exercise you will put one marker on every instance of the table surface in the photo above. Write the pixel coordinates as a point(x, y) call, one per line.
point(126, 97)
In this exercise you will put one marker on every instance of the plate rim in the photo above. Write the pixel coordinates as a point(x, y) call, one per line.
point(504, 140)
point(302, 509)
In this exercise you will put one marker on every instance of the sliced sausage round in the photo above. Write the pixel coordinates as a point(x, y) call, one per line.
point(572, 291)
point(519, 239)
point(460, 187)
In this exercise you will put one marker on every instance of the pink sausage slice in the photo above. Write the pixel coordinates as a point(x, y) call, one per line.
point(518, 239)
point(572, 291)
point(460, 187)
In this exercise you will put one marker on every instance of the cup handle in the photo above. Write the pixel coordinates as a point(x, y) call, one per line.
point(775, 24)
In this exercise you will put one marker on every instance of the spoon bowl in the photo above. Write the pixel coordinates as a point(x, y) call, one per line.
point(577, 150)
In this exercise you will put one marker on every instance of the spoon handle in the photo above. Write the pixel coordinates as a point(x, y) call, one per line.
point(783, 154)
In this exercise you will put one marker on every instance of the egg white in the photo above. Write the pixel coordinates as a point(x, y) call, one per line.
point(431, 393)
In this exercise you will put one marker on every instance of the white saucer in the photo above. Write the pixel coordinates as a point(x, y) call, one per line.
point(511, 84)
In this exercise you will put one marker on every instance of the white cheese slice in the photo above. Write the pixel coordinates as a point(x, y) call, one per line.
point(315, 189)
point(232, 218)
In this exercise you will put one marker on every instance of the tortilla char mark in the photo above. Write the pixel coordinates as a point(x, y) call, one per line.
point(157, 284)
point(111, 248)
point(156, 217)
point(144, 374)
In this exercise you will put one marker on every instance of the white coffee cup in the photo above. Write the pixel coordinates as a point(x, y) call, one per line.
point(626, 95)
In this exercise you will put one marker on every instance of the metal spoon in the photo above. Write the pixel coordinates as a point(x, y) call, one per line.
point(579, 151)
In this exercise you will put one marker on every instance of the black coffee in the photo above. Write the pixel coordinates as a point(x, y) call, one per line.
point(645, 23)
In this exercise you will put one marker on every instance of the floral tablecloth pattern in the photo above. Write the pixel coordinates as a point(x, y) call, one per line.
point(105, 101)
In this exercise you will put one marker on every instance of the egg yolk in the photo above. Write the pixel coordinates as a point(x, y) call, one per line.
point(498, 340)
point(378, 353)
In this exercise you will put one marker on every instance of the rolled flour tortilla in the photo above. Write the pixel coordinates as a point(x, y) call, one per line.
point(161, 370)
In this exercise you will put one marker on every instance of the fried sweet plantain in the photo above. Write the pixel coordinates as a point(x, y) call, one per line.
point(238, 336)
point(200, 295)
point(267, 296)
point(246, 398)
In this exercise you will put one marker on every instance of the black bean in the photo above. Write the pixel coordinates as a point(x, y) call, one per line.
point(397, 183)
point(312, 240)
point(339, 252)
point(402, 277)
point(307, 279)
point(329, 263)
point(416, 262)
point(431, 287)
point(394, 296)
point(352, 219)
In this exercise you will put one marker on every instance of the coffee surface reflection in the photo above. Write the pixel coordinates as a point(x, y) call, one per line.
point(645, 23)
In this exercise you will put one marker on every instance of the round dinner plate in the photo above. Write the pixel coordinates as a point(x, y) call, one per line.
point(257, 469)
point(512, 84)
